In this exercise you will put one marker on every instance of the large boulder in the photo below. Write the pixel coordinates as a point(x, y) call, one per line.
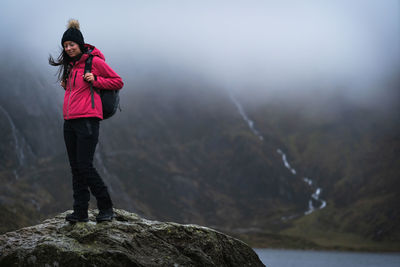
point(128, 240)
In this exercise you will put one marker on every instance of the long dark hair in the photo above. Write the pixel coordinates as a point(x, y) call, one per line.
point(63, 61)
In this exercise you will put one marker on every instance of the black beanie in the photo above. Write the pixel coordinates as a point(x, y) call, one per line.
point(73, 33)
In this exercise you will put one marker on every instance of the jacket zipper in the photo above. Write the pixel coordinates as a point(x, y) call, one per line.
point(70, 89)
point(76, 72)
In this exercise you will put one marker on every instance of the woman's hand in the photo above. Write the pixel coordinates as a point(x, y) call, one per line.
point(63, 85)
point(89, 77)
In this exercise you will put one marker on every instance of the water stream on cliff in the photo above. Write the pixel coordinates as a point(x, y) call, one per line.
point(315, 197)
point(19, 143)
point(249, 122)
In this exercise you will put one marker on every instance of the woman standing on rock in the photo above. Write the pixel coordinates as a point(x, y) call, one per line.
point(82, 119)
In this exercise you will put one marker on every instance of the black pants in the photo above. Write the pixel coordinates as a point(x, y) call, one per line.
point(81, 137)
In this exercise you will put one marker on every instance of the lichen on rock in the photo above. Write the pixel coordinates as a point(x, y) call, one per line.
point(128, 240)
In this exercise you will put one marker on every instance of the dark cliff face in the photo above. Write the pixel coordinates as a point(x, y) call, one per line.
point(190, 156)
point(352, 153)
point(30, 149)
point(126, 241)
point(29, 106)
point(178, 151)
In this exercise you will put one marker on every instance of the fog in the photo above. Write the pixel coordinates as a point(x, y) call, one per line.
point(261, 48)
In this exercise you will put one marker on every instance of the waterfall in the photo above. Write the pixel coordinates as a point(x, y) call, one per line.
point(285, 162)
point(18, 148)
point(249, 122)
point(20, 144)
point(315, 197)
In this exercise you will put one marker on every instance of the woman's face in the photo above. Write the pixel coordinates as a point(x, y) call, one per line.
point(71, 48)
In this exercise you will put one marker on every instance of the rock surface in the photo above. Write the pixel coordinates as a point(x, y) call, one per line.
point(128, 240)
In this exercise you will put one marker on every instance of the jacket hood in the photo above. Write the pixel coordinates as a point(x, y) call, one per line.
point(95, 51)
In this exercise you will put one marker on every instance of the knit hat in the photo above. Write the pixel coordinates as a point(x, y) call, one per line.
point(73, 33)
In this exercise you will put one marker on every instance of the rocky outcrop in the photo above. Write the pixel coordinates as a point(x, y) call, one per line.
point(128, 240)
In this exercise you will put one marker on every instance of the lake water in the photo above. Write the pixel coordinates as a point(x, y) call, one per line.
point(300, 258)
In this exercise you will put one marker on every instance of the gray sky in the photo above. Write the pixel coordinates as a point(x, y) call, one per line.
point(351, 46)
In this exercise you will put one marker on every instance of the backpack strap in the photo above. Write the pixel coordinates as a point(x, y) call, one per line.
point(88, 69)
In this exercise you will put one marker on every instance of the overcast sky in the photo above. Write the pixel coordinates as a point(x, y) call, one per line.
point(257, 46)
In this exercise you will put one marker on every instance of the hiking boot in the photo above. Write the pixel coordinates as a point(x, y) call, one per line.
point(105, 215)
point(77, 217)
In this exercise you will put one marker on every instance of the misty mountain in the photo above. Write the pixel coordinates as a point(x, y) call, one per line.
point(178, 151)
point(351, 152)
point(181, 150)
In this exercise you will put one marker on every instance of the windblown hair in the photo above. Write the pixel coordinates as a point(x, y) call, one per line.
point(62, 61)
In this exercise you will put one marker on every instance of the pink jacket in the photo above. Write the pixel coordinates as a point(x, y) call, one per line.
point(77, 98)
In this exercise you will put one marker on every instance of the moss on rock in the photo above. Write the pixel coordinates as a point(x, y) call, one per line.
point(128, 240)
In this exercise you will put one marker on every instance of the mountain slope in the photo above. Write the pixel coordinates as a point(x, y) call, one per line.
point(178, 151)
point(353, 155)
point(183, 149)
